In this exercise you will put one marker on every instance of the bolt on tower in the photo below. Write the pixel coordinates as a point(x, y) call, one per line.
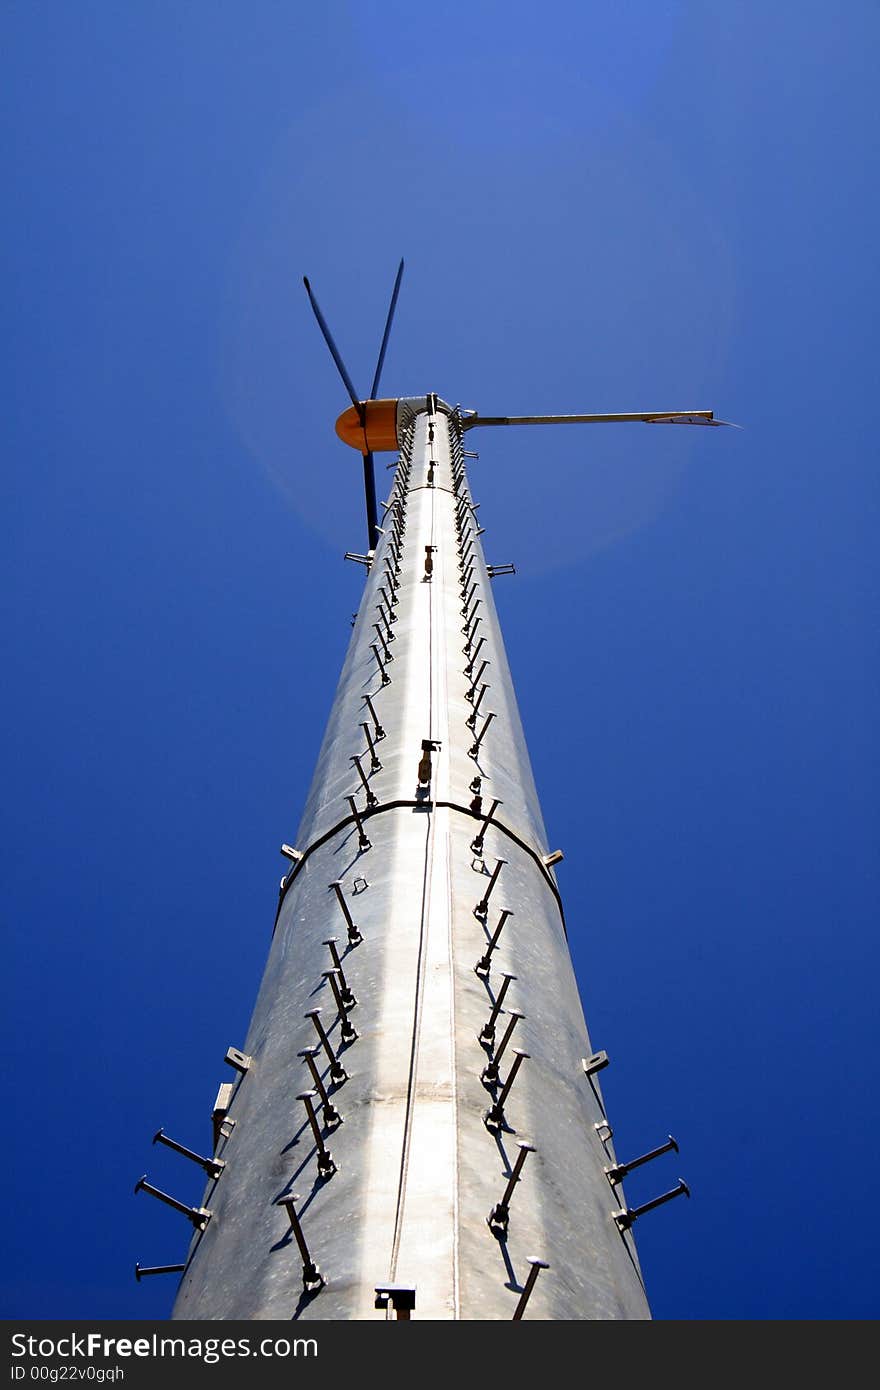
point(416, 1123)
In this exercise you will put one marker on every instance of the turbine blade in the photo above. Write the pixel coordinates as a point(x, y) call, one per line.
point(393, 305)
point(328, 339)
point(370, 498)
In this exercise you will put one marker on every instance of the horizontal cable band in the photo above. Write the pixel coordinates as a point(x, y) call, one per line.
point(366, 815)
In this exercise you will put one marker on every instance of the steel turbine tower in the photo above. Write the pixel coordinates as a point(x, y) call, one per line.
point(416, 1123)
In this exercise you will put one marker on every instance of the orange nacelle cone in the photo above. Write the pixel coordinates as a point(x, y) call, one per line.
point(377, 434)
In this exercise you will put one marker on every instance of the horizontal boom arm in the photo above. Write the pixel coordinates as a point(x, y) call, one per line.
point(648, 417)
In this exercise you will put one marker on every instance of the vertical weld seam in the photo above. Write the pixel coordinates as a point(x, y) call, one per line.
point(420, 964)
point(413, 1053)
point(456, 1206)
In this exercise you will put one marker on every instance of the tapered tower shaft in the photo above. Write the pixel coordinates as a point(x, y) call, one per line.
point(421, 837)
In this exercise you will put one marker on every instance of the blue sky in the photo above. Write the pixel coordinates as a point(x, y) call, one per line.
point(639, 207)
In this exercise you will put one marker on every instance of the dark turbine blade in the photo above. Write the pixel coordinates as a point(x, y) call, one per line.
point(328, 339)
point(370, 496)
point(393, 305)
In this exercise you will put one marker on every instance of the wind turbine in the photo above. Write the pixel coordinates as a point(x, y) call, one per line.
point(419, 1010)
point(372, 426)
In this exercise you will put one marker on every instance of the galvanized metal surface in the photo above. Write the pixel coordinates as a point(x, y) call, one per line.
point(417, 1171)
